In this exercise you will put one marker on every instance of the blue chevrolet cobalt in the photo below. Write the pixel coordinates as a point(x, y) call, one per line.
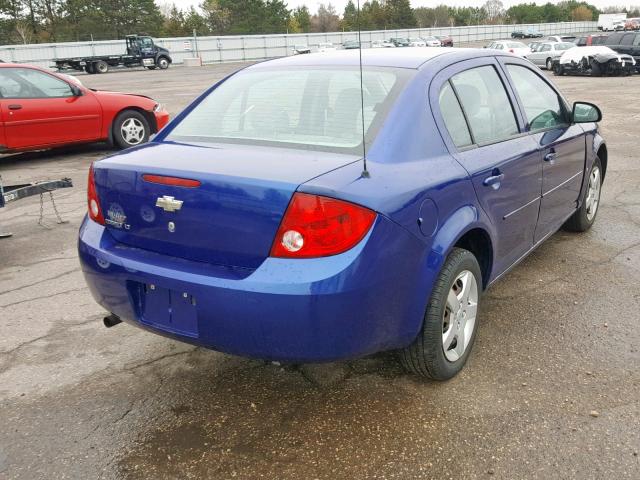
point(301, 210)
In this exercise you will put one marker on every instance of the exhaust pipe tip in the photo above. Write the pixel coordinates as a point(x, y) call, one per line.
point(111, 320)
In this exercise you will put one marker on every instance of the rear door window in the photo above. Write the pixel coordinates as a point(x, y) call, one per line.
point(486, 105)
point(627, 39)
point(636, 40)
point(543, 106)
point(453, 117)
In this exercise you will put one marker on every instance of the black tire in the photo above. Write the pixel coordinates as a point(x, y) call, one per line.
point(582, 220)
point(558, 69)
point(163, 63)
point(549, 64)
point(136, 119)
point(101, 66)
point(596, 70)
point(89, 68)
point(425, 356)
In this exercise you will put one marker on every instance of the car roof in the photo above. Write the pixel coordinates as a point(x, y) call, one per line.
point(410, 57)
point(25, 65)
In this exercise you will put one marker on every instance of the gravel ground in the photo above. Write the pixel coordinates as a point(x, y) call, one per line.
point(551, 391)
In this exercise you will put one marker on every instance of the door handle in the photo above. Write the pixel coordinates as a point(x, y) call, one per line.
point(14, 107)
point(550, 157)
point(493, 181)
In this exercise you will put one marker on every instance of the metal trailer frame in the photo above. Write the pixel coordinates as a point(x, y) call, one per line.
point(12, 193)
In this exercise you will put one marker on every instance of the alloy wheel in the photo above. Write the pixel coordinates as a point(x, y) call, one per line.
point(459, 319)
point(593, 193)
point(132, 131)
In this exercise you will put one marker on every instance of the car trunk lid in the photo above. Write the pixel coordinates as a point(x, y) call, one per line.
point(230, 217)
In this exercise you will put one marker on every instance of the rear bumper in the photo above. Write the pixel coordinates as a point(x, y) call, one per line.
point(368, 299)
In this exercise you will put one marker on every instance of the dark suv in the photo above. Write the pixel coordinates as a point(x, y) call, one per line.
point(626, 42)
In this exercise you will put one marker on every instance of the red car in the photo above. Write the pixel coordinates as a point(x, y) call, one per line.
point(445, 40)
point(40, 109)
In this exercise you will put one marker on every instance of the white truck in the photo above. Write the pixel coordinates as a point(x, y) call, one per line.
point(607, 21)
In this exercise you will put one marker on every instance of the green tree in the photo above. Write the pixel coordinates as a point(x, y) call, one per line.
point(349, 21)
point(373, 16)
point(174, 23)
point(303, 17)
point(216, 17)
point(400, 14)
point(276, 18)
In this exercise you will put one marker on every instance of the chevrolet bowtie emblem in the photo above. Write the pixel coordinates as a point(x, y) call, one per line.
point(169, 204)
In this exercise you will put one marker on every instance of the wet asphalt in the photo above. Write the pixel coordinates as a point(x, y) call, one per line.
point(551, 390)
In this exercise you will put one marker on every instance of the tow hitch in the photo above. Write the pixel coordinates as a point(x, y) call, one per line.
point(12, 193)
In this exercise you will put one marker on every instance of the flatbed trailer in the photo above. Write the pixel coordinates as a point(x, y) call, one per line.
point(141, 52)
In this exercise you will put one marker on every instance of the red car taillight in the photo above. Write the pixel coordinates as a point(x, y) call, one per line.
point(315, 226)
point(95, 212)
point(511, 50)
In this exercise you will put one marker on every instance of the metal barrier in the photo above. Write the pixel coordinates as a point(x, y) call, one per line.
point(258, 47)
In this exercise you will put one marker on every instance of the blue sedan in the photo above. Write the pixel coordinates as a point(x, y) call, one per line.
point(298, 211)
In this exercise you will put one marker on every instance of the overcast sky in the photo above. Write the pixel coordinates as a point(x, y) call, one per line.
point(339, 4)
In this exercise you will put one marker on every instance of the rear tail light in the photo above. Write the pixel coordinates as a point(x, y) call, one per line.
point(315, 226)
point(95, 212)
point(511, 50)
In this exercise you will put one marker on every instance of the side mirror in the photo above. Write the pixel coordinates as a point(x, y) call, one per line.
point(584, 112)
point(75, 90)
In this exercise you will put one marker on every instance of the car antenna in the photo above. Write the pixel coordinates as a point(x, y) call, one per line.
point(365, 172)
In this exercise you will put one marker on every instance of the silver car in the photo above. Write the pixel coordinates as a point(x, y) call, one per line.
point(547, 52)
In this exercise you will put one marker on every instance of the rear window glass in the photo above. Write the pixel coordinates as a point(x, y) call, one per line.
point(565, 46)
point(516, 45)
point(311, 108)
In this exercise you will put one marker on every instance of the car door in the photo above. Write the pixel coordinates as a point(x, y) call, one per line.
point(482, 128)
point(540, 57)
point(40, 109)
point(562, 146)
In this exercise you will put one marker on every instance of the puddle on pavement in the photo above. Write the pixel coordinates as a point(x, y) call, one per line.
point(276, 421)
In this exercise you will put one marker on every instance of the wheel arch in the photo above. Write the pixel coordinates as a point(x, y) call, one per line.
point(465, 228)
point(149, 116)
point(603, 155)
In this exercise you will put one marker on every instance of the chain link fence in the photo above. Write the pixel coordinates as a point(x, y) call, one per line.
point(220, 49)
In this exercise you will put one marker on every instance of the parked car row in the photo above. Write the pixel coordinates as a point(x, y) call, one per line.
point(395, 42)
point(510, 46)
point(619, 43)
point(528, 33)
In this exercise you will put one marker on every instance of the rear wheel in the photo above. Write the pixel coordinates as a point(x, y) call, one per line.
point(130, 128)
point(90, 68)
point(101, 66)
point(585, 216)
point(450, 321)
point(596, 70)
point(549, 64)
